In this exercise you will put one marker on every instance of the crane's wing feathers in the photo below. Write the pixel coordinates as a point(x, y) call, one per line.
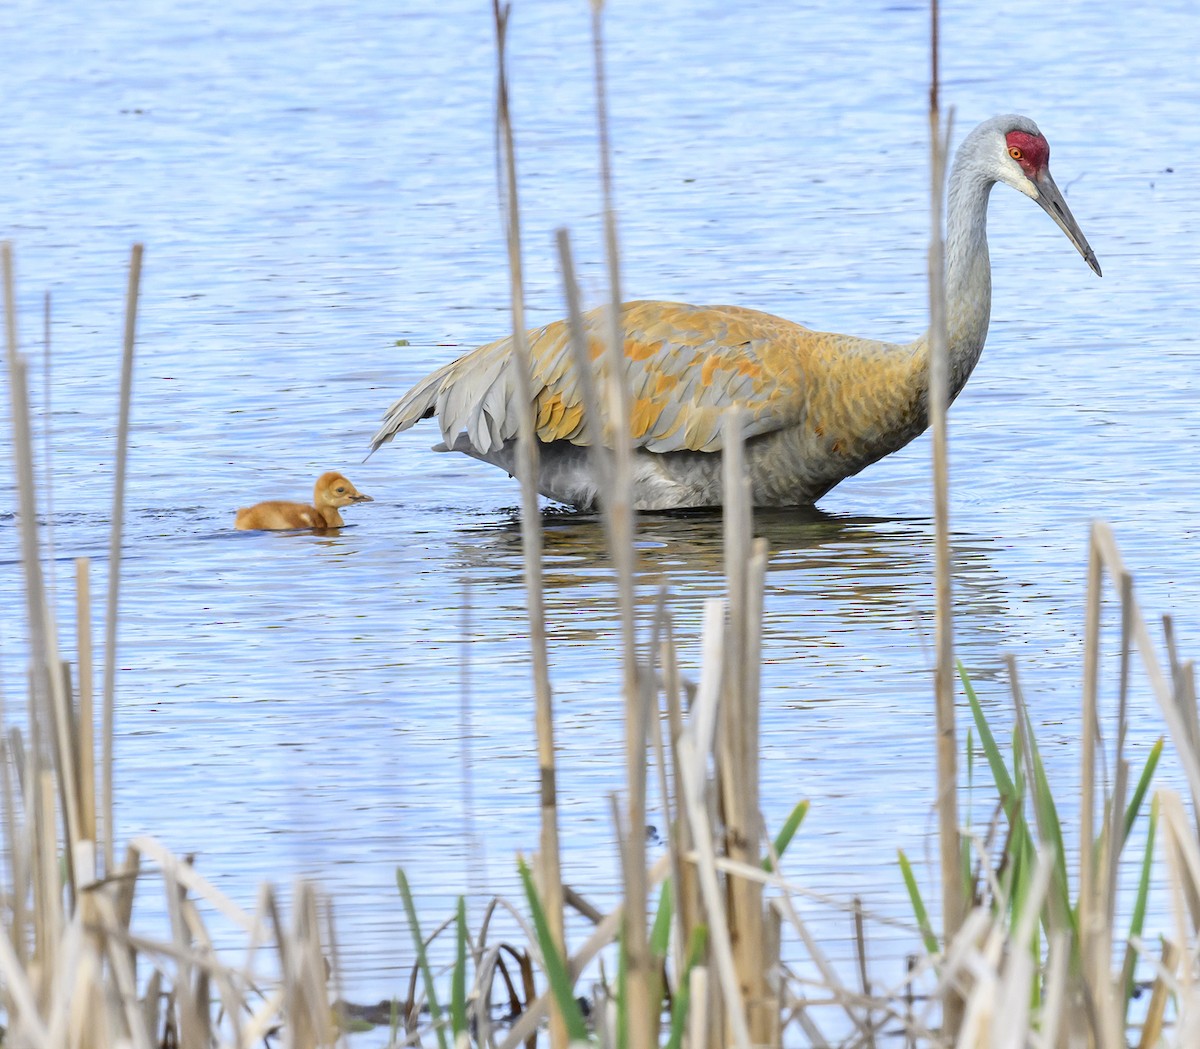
point(684, 364)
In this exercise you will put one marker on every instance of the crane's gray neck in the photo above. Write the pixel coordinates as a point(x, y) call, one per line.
point(968, 269)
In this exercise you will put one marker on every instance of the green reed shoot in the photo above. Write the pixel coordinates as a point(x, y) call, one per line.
point(435, 1012)
point(786, 833)
point(918, 904)
point(556, 966)
point(458, 981)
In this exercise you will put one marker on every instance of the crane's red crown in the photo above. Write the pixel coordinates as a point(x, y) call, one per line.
point(1032, 152)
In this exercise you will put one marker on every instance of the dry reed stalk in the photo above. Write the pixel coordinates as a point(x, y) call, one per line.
point(24, 1019)
point(1152, 1023)
point(1054, 999)
point(114, 557)
point(684, 886)
point(1183, 679)
point(85, 715)
point(48, 704)
point(1182, 850)
point(48, 900)
point(17, 930)
point(548, 860)
point(599, 456)
point(48, 473)
point(953, 899)
point(1088, 910)
point(1010, 1020)
point(697, 1021)
point(640, 1006)
point(860, 951)
point(738, 738)
point(695, 745)
point(1105, 546)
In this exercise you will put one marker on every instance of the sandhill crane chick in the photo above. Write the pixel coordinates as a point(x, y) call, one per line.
point(332, 492)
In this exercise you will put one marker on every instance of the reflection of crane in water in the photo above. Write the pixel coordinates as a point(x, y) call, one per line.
point(822, 567)
point(816, 407)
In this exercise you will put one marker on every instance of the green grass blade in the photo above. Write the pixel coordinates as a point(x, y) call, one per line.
point(1050, 832)
point(918, 904)
point(787, 833)
point(435, 1011)
point(556, 966)
point(660, 932)
point(970, 772)
point(991, 751)
point(1139, 792)
point(458, 983)
point(622, 995)
point(1137, 921)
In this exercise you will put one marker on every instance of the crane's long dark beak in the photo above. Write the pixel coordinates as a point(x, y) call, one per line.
point(1052, 202)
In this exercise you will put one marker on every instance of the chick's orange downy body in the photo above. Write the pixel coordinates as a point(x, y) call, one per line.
point(332, 492)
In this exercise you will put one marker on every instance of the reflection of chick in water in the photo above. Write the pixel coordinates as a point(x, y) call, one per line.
point(332, 492)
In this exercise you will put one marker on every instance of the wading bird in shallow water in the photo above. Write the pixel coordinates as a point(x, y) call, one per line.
point(816, 407)
point(331, 492)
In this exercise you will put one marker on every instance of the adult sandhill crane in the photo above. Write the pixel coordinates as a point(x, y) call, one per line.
point(816, 407)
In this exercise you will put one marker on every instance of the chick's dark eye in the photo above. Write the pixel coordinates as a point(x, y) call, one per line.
point(1015, 152)
point(339, 490)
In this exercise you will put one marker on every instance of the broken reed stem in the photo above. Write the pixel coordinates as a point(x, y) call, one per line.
point(695, 744)
point(114, 559)
point(1160, 682)
point(738, 742)
point(548, 865)
point(953, 898)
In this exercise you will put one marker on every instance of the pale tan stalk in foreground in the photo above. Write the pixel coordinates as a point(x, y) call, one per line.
point(548, 862)
point(953, 901)
point(114, 557)
point(641, 1009)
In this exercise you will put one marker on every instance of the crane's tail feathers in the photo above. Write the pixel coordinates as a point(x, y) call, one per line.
point(419, 403)
point(472, 397)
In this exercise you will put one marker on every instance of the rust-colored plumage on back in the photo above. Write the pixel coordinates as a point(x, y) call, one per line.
point(331, 492)
point(685, 367)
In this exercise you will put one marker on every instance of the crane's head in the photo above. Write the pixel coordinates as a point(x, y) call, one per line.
point(1012, 150)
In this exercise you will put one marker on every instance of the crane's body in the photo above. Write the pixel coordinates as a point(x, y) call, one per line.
point(815, 407)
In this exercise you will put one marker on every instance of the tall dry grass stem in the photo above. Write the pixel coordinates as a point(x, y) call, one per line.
point(738, 774)
point(950, 849)
point(640, 969)
point(86, 717)
point(50, 709)
point(112, 604)
point(548, 860)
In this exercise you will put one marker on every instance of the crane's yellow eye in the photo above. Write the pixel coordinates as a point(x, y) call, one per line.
point(1015, 152)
